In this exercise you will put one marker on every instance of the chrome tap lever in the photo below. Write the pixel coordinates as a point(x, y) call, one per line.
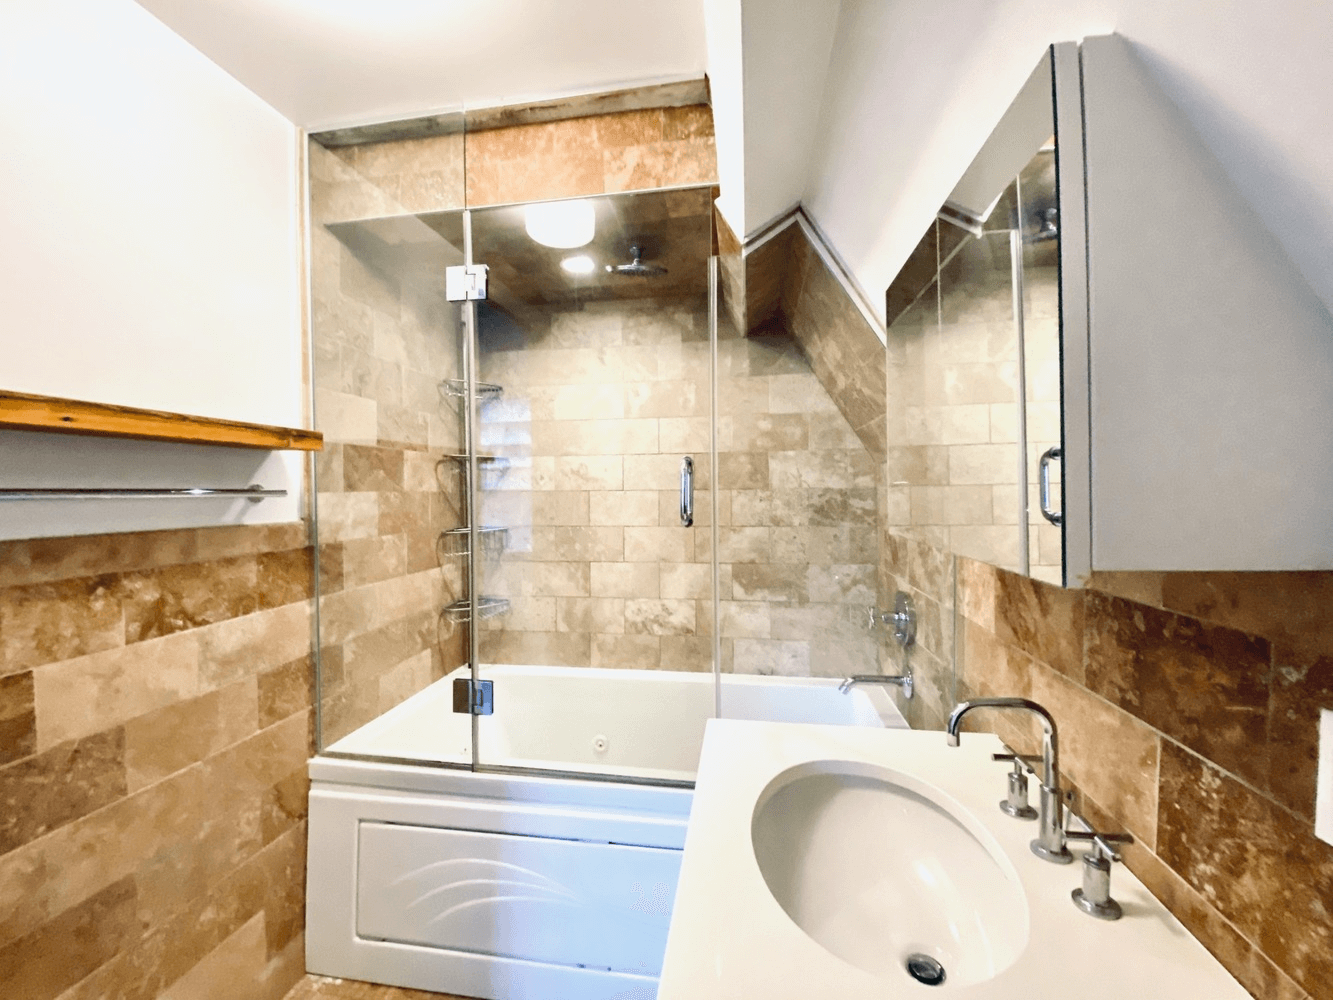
point(1016, 803)
point(1094, 897)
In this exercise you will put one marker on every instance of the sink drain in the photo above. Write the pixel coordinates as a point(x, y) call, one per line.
point(925, 969)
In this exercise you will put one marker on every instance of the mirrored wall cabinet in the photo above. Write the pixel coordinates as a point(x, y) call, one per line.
point(1100, 356)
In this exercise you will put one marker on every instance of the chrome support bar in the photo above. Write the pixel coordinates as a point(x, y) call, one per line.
point(252, 493)
point(687, 491)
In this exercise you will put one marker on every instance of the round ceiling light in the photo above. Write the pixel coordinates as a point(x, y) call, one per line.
point(563, 225)
point(579, 264)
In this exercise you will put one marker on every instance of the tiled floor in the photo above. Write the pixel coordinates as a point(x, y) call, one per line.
point(323, 988)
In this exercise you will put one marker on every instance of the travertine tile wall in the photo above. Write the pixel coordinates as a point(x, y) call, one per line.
point(598, 410)
point(1187, 705)
point(953, 404)
point(155, 721)
point(384, 340)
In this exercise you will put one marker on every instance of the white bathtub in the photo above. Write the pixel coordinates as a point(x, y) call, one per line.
point(636, 724)
point(513, 886)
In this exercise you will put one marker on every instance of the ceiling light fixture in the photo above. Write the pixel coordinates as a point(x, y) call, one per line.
point(563, 225)
point(579, 264)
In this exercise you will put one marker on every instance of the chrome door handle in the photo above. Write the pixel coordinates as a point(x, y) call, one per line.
point(686, 491)
point(1044, 471)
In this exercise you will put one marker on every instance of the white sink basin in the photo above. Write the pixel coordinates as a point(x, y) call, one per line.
point(877, 867)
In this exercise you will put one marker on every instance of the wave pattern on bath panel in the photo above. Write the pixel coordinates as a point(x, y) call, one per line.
point(573, 903)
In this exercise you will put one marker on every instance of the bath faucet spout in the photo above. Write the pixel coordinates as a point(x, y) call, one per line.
point(1050, 842)
point(903, 681)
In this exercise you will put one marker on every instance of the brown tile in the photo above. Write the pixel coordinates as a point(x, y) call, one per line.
point(285, 804)
point(1250, 967)
point(176, 877)
point(1204, 685)
point(689, 122)
point(235, 967)
point(1143, 588)
point(978, 584)
point(246, 646)
point(1290, 608)
point(55, 787)
point(285, 690)
point(1108, 753)
point(285, 577)
point(59, 954)
point(145, 969)
point(629, 128)
point(1257, 864)
point(367, 468)
point(1302, 684)
point(1043, 620)
point(18, 718)
point(176, 598)
point(43, 623)
point(173, 737)
point(323, 988)
point(331, 568)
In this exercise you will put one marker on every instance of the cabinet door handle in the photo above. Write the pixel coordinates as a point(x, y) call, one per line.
point(686, 491)
point(1044, 470)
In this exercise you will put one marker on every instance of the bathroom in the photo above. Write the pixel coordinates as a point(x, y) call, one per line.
point(160, 685)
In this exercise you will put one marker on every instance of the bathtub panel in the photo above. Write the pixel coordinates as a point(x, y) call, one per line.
point(577, 903)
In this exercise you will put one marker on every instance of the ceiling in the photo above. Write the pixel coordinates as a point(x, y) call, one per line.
point(329, 63)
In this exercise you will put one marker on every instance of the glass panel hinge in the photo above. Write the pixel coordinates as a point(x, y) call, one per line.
point(464, 282)
point(474, 697)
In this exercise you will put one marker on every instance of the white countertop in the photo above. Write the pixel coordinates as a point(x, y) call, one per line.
point(730, 938)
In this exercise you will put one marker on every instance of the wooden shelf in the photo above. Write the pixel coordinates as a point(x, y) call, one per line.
point(22, 412)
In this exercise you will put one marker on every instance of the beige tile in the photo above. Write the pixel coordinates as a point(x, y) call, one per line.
point(595, 437)
point(624, 579)
point(673, 544)
point(245, 646)
point(623, 507)
point(684, 435)
point(589, 472)
point(590, 614)
point(579, 544)
point(635, 652)
point(652, 616)
point(685, 581)
point(560, 649)
point(87, 694)
point(780, 657)
point(746, 619)
point(666, 399)
point(164, 741)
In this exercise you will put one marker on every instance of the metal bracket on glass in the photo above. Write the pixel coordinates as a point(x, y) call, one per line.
point(1044, 472)
point(474, 697)
point(456, 388)
point(465, 282)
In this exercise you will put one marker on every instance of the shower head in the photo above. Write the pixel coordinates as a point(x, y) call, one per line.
point(636, 268)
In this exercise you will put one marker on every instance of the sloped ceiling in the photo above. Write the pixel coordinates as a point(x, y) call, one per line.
point(325, 63)
point(915, 87)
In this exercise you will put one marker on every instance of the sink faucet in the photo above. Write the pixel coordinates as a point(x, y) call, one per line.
point(903, 681)
point(1050, 842)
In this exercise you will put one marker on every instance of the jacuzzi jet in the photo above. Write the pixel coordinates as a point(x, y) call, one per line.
point(925, 969)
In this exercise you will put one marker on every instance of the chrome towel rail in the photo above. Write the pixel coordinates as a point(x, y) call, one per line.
point(252, 493)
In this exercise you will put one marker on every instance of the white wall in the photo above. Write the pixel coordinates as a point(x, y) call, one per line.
point(149, 206)
point(324, 63)
point(917, 85)
point(726, 84)
point(786, 45)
